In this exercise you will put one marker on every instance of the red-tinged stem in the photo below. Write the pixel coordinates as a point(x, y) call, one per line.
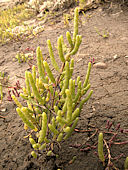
point(118, 157)
point(117, 127)
point(2, 117)
point(86, 149)
point(107, 124)
point(125, 130)
point(120, 143)
point(14, 92)
point(75, 145)
point(113, 137)
point(17, 93)
point(110, 132)
point(9, 96)
point(82, 131)
point(109, 155)
point(110, 124)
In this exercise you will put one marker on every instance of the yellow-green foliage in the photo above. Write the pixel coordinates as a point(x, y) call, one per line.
point(54, 101)
point(82, 1)
point(126, 164)
point(100, 147)
point(1, 93)
point(21, 57)
point(11, 18)
point(34, 154)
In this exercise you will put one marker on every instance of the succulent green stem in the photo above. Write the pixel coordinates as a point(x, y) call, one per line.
point(100, 147)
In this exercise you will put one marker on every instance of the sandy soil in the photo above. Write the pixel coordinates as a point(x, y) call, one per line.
point(108, 103)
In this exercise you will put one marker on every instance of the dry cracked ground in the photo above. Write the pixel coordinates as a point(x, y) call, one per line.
point(109, 101)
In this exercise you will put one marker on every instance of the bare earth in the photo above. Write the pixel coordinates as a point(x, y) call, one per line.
point(108, 102)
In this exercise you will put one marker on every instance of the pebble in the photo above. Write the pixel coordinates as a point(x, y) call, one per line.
point(115, 57)
point(3, 110)
point(100, 65)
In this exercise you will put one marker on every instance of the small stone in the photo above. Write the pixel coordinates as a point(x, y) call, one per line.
point(115, 57)
point(100, 10)
point(100, 65)
point(3, 110)
point(79, 59)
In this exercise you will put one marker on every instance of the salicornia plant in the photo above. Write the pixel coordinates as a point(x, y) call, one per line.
point(53, 103)
point(126, 164)
point(100, 147)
